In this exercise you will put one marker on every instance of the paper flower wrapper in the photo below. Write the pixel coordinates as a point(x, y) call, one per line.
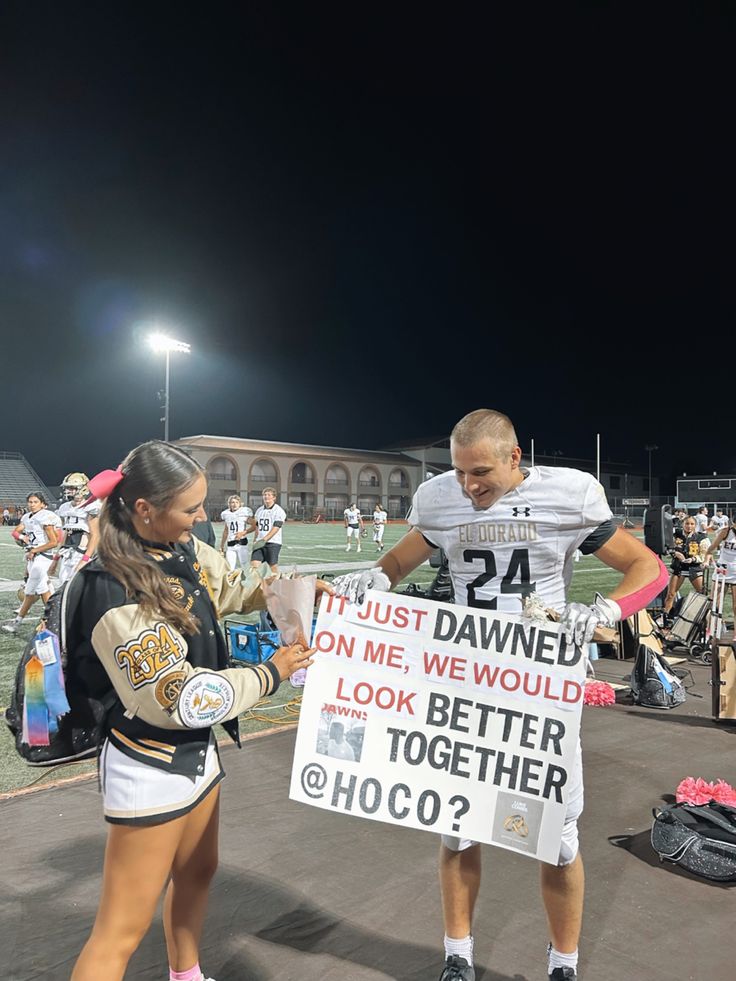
point(291, 605)
point(534, 609)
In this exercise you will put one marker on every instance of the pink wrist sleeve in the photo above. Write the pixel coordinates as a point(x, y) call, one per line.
point(637, 601)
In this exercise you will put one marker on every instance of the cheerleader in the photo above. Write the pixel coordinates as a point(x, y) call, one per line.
point(687, 561)
point(147, 630)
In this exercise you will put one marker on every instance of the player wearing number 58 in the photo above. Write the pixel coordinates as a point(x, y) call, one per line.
point(508, 532)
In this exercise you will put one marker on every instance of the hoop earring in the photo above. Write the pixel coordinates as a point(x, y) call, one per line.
point(146, 521)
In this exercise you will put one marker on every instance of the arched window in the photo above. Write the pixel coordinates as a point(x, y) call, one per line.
point(336, 475)
point(222, 468)
point(264, 472)
point(369, 477)
point(398, 479)
point(302, 473)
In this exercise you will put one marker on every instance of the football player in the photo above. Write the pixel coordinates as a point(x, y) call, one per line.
point(725, 541)
point(507, 532)
point(38, 534)
point(379, 525)
point(78, 514)
point(268, 523)
point(234, 543)
point(353, 525)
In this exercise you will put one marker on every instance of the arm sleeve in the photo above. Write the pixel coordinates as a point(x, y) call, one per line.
point(145, 659)
point(598, 538)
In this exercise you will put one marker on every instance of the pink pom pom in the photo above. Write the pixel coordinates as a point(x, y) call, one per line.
point(692, 791)
point(599, 693)
point(724, 793)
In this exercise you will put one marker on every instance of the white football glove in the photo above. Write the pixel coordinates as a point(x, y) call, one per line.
point(354, 584)
point(579, 621)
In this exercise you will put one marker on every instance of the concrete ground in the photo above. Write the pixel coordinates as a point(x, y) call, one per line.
point(311, 896)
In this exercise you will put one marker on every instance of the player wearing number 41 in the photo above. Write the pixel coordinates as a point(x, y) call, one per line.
point(508, 531)
point(234, 543)
point(147, 638)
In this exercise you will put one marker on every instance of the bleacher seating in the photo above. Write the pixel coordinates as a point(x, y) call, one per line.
point(18, 479)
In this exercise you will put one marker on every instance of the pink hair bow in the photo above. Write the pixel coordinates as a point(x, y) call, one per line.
point(104, 483)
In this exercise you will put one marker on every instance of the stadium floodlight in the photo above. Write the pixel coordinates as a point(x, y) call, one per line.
point(163, 343)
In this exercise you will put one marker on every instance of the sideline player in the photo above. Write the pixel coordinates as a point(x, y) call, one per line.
point(702, 520)
point(725, 540)
point(78, 515)
point(38, 534)
point(719, 521)
point(507, 532)
point(379, 525)
point(268, 523)
point(234, 543)
point(353, 525)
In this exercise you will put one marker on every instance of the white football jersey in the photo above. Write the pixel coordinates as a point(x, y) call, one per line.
point(236, 521)
point(34, 524)
point(266, 519)
point(523, 544)
point(352, 515)
point(75, 517)
point(727, 554)
point(379, 517)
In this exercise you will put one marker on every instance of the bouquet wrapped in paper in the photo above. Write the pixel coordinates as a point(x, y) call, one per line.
point(290, 603)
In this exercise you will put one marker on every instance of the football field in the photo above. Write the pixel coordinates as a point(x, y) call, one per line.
point(309, 548)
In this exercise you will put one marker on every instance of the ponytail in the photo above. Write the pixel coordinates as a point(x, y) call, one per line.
point(157, 472)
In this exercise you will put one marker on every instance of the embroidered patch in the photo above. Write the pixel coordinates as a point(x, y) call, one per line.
point(205, 699)
point(168, 689)
point(151, 653)
point(176, 587)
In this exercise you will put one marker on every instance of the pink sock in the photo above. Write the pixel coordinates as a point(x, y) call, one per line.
point(193, 974)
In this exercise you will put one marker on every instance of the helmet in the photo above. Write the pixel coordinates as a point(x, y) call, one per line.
point(73, 484)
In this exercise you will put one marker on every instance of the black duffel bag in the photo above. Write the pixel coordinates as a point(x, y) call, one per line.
point(701, 839)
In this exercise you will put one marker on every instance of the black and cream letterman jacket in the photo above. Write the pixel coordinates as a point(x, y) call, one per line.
point(170, 687)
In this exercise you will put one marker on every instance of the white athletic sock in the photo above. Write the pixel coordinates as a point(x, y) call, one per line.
point(556, 959)
point(462, 947)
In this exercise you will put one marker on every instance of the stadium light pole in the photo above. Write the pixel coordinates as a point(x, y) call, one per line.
point(650, 449)
point(159, 343)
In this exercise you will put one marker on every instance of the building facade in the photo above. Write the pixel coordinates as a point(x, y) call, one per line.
point(323, 480)
point(309, 480)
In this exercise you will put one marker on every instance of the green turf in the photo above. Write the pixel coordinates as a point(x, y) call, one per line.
point(321, 546)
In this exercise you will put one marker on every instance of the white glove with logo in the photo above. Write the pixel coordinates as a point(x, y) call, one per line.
point(354, 584)
point(579, 621)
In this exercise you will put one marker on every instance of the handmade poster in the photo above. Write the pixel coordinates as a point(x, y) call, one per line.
point(456, 720)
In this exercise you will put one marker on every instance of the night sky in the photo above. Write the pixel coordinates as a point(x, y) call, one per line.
point(367, 223)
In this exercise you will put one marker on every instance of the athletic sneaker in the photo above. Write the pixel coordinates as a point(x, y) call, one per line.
point(11, 627)
point(564, 974)
point(457, 969)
